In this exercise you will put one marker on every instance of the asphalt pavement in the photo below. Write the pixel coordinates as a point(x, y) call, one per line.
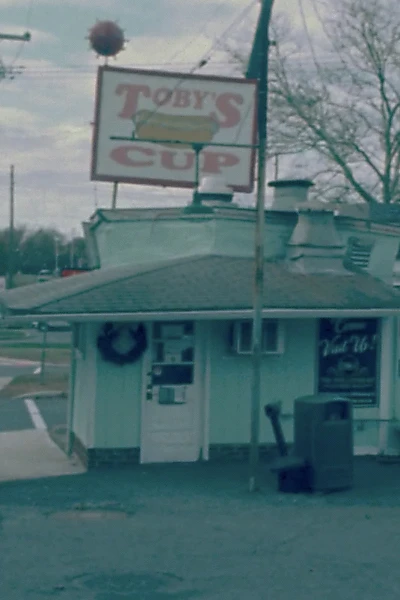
point(15, 416)
point(179, 532)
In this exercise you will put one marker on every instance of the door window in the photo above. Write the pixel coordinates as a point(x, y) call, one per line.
point(172, 357)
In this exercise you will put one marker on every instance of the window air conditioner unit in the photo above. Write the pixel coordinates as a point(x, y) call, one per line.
point(272, 337)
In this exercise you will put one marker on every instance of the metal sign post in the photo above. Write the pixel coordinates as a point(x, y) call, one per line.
point(43, 355)
point(258, 67)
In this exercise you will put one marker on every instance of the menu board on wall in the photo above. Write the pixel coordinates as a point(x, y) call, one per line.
point(348, 359)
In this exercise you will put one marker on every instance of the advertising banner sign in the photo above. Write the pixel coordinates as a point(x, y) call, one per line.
point(160, 117)
point(348, 358)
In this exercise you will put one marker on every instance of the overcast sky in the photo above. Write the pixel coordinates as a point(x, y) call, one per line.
point(46, 110)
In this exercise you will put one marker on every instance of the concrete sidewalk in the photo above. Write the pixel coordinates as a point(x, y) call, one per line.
point(32, 454)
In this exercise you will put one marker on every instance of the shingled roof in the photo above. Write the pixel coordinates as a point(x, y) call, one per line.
point(202, 285)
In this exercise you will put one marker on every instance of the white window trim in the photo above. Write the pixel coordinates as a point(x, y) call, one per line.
point(79, 339)
point(236, 339)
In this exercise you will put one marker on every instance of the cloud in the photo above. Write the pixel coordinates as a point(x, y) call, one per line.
point(43, 37)
point(16, 117)
point(45, 113)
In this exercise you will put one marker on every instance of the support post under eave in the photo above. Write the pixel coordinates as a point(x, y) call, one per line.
point(114, 195)
point(71, 391)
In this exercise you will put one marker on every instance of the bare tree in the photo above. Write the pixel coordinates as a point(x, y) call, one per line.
point(336, 99)
point(346, 108)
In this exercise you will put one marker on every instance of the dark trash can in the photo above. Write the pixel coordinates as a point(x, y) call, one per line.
point(323, 437)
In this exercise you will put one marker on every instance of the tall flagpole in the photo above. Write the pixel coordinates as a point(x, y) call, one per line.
point(258, 68)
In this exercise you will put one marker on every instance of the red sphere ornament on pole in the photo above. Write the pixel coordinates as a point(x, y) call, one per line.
point(106, 38)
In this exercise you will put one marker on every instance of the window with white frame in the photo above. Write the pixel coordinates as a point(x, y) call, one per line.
point(272, 339)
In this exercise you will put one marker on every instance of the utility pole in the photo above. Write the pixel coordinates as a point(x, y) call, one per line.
point(71, 252)
point(4, 72)
point(56, 255)
point(25, 37)
point(258, 69)
point(10, 262)
point(11, 71)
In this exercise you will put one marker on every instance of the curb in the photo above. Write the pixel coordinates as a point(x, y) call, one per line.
point(58, 434)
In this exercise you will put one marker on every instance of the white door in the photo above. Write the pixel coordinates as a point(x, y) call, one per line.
point(171, 415)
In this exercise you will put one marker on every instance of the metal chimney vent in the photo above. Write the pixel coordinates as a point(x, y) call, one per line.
point(359, 252)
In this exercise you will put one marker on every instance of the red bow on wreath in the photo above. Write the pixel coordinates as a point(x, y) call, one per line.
point(110, 334)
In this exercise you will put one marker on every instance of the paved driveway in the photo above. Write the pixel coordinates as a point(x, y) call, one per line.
point(180, 532)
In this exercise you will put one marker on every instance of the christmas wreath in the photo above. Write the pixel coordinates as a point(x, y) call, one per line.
point(108, 337)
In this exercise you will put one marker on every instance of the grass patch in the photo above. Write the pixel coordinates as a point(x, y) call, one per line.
point(55, 356)
point(13, 334)
point(12, 344)
point(23, 279)
point(30, 384)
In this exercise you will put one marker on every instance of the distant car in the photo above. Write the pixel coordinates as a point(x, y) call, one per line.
point(44, 275)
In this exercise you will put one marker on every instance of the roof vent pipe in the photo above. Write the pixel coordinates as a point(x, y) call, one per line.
point(290, 193)
point(213, 191)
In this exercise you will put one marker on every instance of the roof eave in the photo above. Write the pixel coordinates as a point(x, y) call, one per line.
point(208, 315)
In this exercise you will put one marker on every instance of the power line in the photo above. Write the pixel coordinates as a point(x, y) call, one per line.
point(202, 30)
point(308, 36)
point(217, 39)
point(242, 15)
point(10, 71)
point(84, 71)
point(27, 24)
point(29, 13)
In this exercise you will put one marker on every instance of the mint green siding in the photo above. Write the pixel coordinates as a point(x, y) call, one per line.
point(149, 240)
point(160, 238)
point(224, 384)
point(118, 402)
point(284, 377)
point(396, 372)
point(153, 235)
point(85, 386)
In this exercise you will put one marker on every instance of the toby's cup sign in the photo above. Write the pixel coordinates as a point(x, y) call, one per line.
point(162, 118)
point(348, 358)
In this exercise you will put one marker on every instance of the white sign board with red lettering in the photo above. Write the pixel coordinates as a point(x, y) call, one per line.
point(159, 108)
